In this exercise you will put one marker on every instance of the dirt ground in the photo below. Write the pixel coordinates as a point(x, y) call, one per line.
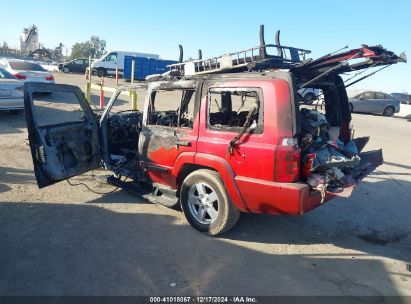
point(64, 240)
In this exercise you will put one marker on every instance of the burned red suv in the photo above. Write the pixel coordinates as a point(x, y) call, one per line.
point(220, 138)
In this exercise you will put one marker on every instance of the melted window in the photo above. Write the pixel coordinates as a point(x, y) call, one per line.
point(230, 108)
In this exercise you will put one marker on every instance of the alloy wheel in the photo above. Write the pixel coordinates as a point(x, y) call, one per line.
point(203, 203)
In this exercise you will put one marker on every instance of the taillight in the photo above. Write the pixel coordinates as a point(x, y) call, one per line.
point(50, 77)
point(287, 161)
point(19, 76)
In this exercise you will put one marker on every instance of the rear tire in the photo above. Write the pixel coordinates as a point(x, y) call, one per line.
point(351, 108)
point(205, 203)
point(389, 111)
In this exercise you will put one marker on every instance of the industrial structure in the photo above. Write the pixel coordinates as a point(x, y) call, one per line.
point(29, 40)
point(31, 48)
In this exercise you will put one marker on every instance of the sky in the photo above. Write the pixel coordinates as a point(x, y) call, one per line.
point(221, 26)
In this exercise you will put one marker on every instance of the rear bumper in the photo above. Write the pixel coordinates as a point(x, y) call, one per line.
point(268, 197)
point(11, 103)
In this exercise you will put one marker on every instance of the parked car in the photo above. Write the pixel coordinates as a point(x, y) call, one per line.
point(11, 93)
point(308, 95)
point(404, 98)
point(374, 102)
point(78, 65)
point(106, 65)
point(26, 70)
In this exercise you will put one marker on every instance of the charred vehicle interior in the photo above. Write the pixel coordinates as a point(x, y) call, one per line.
point(331, 160)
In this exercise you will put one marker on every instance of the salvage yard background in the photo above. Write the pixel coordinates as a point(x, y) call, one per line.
point(65, 240)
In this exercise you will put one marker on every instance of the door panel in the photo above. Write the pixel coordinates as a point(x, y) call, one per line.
point(63, 132)
point(169, 129)
point(364, 103)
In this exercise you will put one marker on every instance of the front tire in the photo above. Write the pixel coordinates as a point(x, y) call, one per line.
point(389, 111)
point(205, 203)
point(66, 69)
point(101, 72)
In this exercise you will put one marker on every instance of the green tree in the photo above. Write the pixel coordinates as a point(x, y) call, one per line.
point(98, 46)
point(95, 47)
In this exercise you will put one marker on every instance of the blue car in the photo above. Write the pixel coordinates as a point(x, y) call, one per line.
point(374, 102)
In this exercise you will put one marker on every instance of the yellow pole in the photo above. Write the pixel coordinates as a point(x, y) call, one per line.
point(88, 84)
point(133, 93)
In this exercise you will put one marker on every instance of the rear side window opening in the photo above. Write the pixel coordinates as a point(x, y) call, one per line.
point(229, 108)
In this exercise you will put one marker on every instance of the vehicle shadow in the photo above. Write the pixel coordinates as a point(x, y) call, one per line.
point(397, 165)
point(11, 123)
point(14, 176)
point(374, 220)
point(76, 249)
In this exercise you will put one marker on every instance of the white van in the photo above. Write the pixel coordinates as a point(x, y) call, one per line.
point(107, 64)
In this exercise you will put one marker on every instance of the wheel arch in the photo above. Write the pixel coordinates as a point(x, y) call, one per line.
point(390, 106)
point(214, 163)
point(186, 170)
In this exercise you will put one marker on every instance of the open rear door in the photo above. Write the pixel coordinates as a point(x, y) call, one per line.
point(62, 130)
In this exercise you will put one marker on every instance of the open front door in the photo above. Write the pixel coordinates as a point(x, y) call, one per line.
point(62, 130)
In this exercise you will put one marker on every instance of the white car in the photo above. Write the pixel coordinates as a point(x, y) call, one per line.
point(26, 70)
point(107, 64)
point(309, 95)
point(11, 93)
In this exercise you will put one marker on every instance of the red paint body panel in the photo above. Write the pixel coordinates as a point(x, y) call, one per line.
point(249, 173)
point(227, 175)
point(278, 198)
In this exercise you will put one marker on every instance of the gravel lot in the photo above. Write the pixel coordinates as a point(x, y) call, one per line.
point(65, 240)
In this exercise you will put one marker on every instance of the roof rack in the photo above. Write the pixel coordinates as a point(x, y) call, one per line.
point(307, 71)
point(249, 59)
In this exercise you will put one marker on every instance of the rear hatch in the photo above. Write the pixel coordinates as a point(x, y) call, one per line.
point(332, 161)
